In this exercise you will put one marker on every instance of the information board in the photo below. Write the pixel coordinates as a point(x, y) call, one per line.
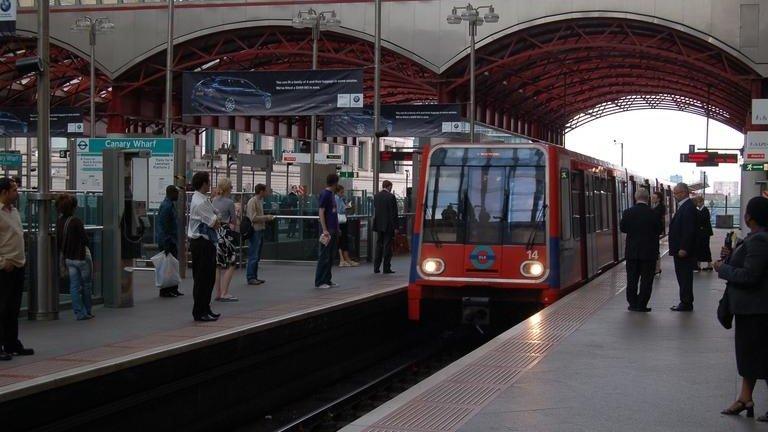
point(150, 176)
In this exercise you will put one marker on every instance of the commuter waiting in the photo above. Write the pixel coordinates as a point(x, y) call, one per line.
point(341, 207)
point(12, 261)
point(201, 231)
point(703, 234)
point(167, 232)
point(255, 213)
point(744, 270)
point(72, 243)
point(226, 252)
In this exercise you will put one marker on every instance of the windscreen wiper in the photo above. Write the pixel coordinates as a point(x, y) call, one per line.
point(539, 220)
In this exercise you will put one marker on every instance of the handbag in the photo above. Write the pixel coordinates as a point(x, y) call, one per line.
point(724, 314)
point(63, 270)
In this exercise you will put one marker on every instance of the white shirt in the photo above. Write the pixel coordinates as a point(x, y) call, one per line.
point(201, 210)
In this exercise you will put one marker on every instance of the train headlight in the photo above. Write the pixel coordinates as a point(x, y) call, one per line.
point(532, 269)
point(433, 266)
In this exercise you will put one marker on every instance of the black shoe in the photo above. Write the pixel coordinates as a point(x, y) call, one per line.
point(206, 318)
point(389, 272)
point(21, 351)
point(681, 308)
point(215, 315)
point(643, 309)
point(167, 294)
point(4, 356)
point(177, 293)
point(737, 407)
point(377, 271)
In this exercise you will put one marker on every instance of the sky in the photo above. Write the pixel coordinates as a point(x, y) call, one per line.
point(653, 141)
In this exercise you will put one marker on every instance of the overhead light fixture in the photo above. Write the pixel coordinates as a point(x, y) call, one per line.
point(491, 16)
point(332, 20)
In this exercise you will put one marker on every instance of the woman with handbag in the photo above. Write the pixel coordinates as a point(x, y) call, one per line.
point(74, 256)
point(226, 253)
point(342, 206)
point(747, 293)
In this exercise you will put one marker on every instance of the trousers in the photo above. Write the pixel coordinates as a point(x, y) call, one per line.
point(203, 274)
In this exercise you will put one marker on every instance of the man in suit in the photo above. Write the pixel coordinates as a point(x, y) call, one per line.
point(682, 243)
point(385, 225)
point(642, 226)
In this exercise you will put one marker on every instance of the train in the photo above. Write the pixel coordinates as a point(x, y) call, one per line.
point(501, 225)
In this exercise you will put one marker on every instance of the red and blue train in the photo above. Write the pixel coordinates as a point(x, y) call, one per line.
point(500, 225)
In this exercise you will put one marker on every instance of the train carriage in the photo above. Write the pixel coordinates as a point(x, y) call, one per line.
point(504, 225)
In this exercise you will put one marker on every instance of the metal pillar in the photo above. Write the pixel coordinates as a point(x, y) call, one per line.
point(180, 180)
point(44, 302)
point(92, 90)
point(375, 145)
point(472, 107)
point(313, 123)
point(169, 73)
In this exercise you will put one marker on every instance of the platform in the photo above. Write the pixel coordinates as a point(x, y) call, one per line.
point(588, 364)
point(156, 326)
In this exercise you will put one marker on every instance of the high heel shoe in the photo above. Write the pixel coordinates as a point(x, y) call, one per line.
point(763, 418)
point(740, 406)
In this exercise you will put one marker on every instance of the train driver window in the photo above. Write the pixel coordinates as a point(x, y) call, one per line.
point(485, 204)
point(442, 216)
point(526, 215)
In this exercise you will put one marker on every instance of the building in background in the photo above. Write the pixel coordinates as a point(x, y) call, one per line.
point(676, 178)
point(726, 187)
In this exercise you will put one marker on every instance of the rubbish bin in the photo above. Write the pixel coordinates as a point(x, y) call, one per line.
point(724, 221)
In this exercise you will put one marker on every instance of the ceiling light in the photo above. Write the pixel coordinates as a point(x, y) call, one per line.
point(491, 17)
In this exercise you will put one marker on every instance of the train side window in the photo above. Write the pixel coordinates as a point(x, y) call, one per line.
point(565, 204)
point(576, 208)
point(442, 216)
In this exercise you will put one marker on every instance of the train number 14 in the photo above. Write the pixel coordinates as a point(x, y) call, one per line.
point(533, 254)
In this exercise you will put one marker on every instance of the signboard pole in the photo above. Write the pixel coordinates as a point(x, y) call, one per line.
point(313, 121)
point(376, 99)
point(180, 180)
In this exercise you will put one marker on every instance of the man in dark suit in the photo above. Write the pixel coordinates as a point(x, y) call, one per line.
point(385, 225)
point(682, 244)
point(642, 226)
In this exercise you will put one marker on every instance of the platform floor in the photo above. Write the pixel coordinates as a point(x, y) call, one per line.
point(588, 364)
point(154, 322)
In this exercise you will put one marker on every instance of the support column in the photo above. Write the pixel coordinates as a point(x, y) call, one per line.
point(749, 179)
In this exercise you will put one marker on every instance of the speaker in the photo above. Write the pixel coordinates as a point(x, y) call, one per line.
point(29, 65)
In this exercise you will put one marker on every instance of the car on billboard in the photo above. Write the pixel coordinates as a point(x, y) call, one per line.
point(10, 125)
point(229, 94)
point(361, 121)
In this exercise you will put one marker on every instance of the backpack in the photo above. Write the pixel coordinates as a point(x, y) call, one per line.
point(246, 228)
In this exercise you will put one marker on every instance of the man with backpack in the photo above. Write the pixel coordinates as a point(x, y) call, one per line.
point(255, 214)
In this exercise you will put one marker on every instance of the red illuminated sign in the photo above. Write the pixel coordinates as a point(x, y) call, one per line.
point(709, 158)
point(387, 156)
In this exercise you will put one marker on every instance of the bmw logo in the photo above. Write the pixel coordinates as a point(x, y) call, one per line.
point(5, 5)
point(356, 99)
point(82, 144)
point(482, 257)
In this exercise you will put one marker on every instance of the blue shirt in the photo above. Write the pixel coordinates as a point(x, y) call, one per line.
point(341, 206)
point(327, 202)
point(166, 224)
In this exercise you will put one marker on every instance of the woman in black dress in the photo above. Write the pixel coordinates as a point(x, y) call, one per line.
point(660, 210)
point(703, 234)
point(744, 269)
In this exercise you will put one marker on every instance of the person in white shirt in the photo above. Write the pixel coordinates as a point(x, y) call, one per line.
point(201, 231)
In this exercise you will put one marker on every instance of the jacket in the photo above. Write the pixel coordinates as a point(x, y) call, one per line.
point(384, 212)
point(255, 213)
point(744, 272)
point(682, 230)
point(167, 227)
point(642, 226)
point(661, 213)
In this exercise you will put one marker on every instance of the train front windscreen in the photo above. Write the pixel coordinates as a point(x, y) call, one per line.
point(486, 195)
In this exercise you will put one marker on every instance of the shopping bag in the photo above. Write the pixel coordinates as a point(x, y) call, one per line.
point(166, 270)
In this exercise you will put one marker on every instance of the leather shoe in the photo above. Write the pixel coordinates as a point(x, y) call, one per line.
point(377, 271)
point(206, 318)
point(215, 315)
point(4, 356)
point(681, 308)
point(389, 272)
point(20, 351)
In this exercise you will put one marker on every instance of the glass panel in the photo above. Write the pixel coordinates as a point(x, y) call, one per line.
point(479, 156)
point(526, 216)
point(442, 217)
point(485, 204)
point(565, 205)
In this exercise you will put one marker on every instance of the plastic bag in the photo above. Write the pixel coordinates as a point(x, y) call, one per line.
point(166, 270)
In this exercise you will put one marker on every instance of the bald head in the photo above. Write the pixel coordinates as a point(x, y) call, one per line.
point(641, 195)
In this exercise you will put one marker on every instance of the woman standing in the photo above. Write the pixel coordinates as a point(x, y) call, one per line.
point(703, 234)
point(226, 253)
point(657, 204)
point(747, 290)
point(72, 242)
point(342, 206)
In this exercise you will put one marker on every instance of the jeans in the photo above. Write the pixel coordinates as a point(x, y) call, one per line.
point(325, 261)
point(255, 244)
point(80, 286)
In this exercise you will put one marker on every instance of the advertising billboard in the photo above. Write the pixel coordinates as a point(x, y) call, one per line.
point(304, 92)
point(7, 17)
point(399, 121)
point(22, 122)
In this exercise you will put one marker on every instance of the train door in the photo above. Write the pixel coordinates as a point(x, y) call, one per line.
point(589, 216)
point(570, 227)
point(614, 210)
point(579, 219)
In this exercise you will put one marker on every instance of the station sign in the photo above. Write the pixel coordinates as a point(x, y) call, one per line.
point(759, 111)
point(10, 160)
point(705, 159)
point(349, 174)
point(756, 147)
point(329, 158)
point(754, 167)
point(149, 177)
point(293, 158)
